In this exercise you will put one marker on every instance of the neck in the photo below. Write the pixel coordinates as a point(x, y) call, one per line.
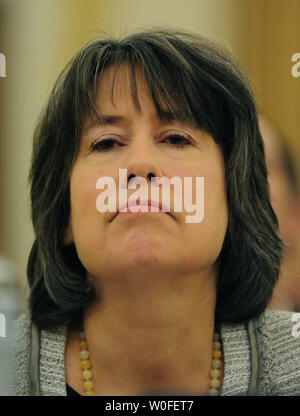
point(155, 340)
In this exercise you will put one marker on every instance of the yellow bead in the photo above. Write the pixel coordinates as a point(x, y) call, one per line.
point(217, 354)
point(87, 374)
point(214, 383)
point(216, 363)
point(84, 354)
point(89, 393)
point(85, 364)
point(88, 385)
point(213, 392)
point(215, 373)
point(83, 345)
point(217, 345)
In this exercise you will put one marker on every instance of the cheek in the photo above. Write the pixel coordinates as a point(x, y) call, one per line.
point(83, 195)
point(204, 240)
point(86, 222)
point(208, 235)
point(211, 168)
point(84, 213)
point(216, 204)
point(216, 210)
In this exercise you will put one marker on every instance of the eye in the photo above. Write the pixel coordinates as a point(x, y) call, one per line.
point(103, 145)
point(178, 140)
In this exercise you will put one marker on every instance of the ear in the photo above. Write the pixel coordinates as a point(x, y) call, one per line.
point(68, 236)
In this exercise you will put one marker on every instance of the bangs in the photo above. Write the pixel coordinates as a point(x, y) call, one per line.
point(178, 90)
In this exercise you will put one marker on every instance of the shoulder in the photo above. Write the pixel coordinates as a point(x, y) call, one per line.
point(22, 342)
point(49, 353)
point(278, 336)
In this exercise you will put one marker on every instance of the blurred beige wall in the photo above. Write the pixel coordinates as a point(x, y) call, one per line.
point(271, 35)
point(39, 37)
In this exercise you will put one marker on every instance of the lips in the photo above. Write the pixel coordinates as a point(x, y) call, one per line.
point(133, 207)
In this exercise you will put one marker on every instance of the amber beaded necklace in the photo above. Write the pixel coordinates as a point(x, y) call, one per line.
point(85, 365)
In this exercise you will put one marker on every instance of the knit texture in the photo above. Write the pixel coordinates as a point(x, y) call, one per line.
point(279, 350)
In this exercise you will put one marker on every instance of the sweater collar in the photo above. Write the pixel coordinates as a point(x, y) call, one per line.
point(236, 352)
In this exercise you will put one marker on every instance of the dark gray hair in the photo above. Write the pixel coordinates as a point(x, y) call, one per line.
point(198, 82)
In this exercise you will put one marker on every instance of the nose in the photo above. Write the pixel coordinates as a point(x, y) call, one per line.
point(132, 175)
point(142, 162)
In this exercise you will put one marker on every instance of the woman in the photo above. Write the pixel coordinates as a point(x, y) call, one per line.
point(137, 302)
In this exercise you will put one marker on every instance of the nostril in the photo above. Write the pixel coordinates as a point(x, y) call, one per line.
point(151, 175)
point(130, 177)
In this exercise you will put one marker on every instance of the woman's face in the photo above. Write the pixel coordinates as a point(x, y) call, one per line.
point(116, 248)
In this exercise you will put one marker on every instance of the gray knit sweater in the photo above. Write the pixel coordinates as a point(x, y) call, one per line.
point(277, 347)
